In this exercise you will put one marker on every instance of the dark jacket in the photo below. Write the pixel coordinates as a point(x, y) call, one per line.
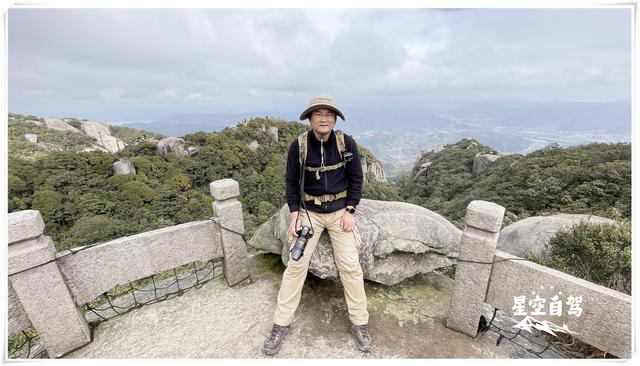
point(348, 177)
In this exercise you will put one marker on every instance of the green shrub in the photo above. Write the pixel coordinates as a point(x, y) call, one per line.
point(144, 148)
point(142, 164)
point(16, 185)
point(49, 203)
point(597, 253)
point(137, 193)
point(181, 182)
point(94, 229)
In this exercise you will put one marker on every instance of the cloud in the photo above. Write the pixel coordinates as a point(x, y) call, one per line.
point(194, 96)
point(111, 93)
point(250, 59)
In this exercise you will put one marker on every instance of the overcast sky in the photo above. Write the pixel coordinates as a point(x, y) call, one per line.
point(144, 64)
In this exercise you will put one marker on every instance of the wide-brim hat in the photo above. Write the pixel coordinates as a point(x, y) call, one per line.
point(321, 101)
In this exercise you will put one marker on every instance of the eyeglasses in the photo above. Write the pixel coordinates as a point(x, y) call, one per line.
point(322, 115)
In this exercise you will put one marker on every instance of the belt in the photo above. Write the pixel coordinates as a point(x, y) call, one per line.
point(325, 197)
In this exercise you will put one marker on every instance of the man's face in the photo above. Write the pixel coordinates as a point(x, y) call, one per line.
point(323, 120)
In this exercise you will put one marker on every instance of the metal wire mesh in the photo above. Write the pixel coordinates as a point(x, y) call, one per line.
point(534, 343)
point(123, 299)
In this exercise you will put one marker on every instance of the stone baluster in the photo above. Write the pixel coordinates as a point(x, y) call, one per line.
point(227, 212)
point(41, 288)
point(477, 243)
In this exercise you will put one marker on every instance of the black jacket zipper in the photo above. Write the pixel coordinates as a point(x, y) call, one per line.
point(324, 173)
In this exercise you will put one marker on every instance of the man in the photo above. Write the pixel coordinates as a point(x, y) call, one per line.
point(332, 190)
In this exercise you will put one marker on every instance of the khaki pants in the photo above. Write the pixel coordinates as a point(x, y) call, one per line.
point(345, 253)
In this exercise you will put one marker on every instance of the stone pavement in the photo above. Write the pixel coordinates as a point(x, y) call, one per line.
point(407, 320)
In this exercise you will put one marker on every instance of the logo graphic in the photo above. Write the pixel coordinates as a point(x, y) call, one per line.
point(545, 326)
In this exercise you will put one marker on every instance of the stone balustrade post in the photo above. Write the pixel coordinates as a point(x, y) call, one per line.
point(41, 288)
point(227, 212)
point(477, 243)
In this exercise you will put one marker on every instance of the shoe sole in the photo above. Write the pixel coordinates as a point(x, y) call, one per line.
point(274, 351)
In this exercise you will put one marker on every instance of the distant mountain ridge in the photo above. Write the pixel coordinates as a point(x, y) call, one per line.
point(181, 124)
point(396, 133)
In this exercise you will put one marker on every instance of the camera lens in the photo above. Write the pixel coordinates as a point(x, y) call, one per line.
point(298, 248)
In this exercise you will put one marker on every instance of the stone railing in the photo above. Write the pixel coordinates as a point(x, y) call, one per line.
point(600, 316)
point(46, 289)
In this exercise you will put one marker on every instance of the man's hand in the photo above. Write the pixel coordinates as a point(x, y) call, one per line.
point(293, 226)
point(348, 221)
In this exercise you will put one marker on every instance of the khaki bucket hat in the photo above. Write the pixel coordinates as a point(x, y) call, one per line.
point(321, 101)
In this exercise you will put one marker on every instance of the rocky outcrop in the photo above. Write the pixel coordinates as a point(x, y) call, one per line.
point(254, 145)
point(31, 137)
point(531, 235)
point(423, 152)
point(482, 162)
point(272, 130)
point(102, 135)
point(399, 240)
point(375, 169)
point(193, 151)
point(58, 124)
point(175, 145)
point(37, 123)
point(423, 172)
point(122, 167)
point(171, 144)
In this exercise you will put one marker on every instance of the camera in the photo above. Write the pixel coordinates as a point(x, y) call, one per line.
point(304, 234)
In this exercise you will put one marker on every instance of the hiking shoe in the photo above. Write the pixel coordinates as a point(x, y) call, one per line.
point(363, 339)
point(275, 340)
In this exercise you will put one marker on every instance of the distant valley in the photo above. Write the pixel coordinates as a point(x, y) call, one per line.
point(396, 134)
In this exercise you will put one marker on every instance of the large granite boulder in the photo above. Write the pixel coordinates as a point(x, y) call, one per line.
point(531, 235)
point(274, 132)
point(482, 162)
point(193, 151)
point(254, 145)
point(399, 239)
point(60, 125)
point(171, 144)
point(95, 129)
point(123, 167)
point(31, 137)
point(102, 135)
point(37, 123)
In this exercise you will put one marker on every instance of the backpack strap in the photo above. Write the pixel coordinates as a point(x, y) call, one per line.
point(324, 168)
point(302, 147)
point(342, 147)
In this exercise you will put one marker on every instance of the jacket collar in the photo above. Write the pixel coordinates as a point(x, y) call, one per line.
point(314, 140)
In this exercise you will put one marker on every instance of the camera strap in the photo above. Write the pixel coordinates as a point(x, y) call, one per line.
point(304, 161)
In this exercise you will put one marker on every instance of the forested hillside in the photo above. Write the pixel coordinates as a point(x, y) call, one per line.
point(589, 179)
point(83, 202)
